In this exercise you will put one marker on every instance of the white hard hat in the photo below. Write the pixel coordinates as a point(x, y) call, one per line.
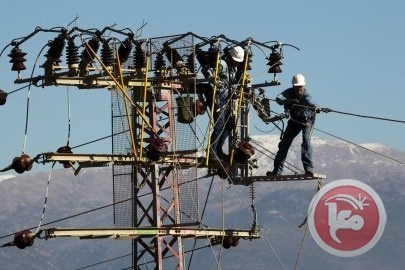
point(237, 53)
point(298, 80)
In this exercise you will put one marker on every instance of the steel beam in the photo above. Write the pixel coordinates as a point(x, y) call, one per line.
point(147, 232)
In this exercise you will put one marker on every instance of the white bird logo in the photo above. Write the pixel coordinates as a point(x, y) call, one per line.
point(344, 219)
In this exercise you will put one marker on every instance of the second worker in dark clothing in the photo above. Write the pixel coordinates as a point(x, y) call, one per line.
point(223, 121)
point(302, 110)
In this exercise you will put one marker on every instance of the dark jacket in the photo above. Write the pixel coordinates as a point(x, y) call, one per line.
point(301, 107)
point(225, 81)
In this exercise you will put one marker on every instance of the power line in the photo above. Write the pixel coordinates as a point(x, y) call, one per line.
point(371, 117)
point(73, 216)
point(327, 110)
point(105, 261)
point(95, 209)
point(360, 146)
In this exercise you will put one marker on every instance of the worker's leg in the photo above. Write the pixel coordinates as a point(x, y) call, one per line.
point(290, 133)
point(306, 149)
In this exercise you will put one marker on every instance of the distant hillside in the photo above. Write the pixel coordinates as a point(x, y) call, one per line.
point(281, 208)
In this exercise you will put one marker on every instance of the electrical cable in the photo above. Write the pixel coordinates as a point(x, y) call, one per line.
point(211, 182)
point(18, 89)
point(301, 247)
point(252, 214)
point(326, 110)
point(28, 100)
point(360, 146)
point(306, 227)
point(74, 215)
point(288, 165)
point(371, 117)
point(69, 121)
point(46, 200)
point(202, 215)
point(273, 250)
point(103, 262)
point(99, 139)
point(167, 257)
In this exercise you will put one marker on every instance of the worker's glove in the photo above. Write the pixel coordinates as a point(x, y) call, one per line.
point(325, 110)
point(290, 101)
point(220, 84)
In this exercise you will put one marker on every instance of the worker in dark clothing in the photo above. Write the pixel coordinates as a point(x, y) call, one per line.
point(302, 110)
point(226, 78)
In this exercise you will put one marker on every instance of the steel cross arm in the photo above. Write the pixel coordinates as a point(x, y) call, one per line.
point(89, 81)
point(294, 177)
point(87, 160)
point(147, 232)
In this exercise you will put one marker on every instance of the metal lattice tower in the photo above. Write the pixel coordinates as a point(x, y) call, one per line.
point(156, 152)
point(154, 190)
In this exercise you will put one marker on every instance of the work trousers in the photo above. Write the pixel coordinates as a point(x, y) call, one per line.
point(221, 131)
point(292, 130)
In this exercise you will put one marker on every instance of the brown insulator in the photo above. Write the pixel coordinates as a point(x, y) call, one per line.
point(24, 239)
point(229, 241)
point(266, 105)
point(107, 54)
point(56, 49)
point(67, 150)
point(243, 152)
point(3, 97)
point(200, 107)
point(17, 58)
point(139, 56)
point(159, 65)
point(87, 55)
point(22, 163)
point(235, 241)
point(274, 62)
point(156, 149)
point(264, 110)
point(124, 50)
point(72, 53)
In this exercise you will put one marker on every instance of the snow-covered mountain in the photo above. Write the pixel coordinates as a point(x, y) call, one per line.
point(281, 207)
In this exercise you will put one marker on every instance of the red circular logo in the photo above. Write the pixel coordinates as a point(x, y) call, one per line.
point(346, 218)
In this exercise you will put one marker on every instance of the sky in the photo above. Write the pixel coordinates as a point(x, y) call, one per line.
point(351, 53)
